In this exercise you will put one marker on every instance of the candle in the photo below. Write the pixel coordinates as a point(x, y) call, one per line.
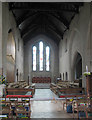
point(86, 68)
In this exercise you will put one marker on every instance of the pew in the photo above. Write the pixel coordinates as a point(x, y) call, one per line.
point(15, 91)
point(83, 107)
point(63, 85)
point(20, 106)
point(70, 91)
point(71, 99)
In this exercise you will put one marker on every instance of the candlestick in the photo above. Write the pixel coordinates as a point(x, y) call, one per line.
point(86, 68)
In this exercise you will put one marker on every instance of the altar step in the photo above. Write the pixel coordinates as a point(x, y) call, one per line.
point(42, 85)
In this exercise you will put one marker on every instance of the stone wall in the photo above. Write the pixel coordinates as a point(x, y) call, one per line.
point(54, 71)
point(8, 22)
point(78, 41)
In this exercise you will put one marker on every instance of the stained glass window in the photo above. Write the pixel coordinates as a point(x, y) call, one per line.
point(41, 56)
point(47, 58)
point(34, 58)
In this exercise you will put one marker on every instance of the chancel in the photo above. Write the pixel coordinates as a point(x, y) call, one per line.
point(45, 60)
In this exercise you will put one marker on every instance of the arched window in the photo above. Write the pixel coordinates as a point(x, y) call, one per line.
point(63, 76)
point(41, 57)
point(47, 58)
point(66, 76)
point(34, 58)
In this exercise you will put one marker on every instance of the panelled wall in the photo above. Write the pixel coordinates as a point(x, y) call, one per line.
point(12, 46)
point(76, 41)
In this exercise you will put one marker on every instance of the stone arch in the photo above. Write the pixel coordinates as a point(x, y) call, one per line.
point(77, 66)
point(74, 32)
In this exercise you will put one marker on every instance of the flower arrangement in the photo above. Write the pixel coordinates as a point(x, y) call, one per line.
point(87, 73)
point(2, 80)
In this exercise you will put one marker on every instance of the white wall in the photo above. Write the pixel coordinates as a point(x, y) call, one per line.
point(9, 23)
point(78, 37)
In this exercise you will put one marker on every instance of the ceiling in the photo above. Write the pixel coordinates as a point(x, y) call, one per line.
point(48, 18)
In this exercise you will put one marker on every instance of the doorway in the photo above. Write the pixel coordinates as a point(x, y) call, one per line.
point(78, 66)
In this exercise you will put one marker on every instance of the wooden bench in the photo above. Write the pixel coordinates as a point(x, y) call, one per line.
point(53, 88)
point(22, 107)
point(15, 91)
point(70, 91)
point(70, 99)
point(63, 85)
point(6, 108)
point(17, 106)
point(88, 107)
point(18, 96)
point(83, 105)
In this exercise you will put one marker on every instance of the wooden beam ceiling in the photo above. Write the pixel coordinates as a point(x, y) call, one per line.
point(52, 18)
point(46, 6)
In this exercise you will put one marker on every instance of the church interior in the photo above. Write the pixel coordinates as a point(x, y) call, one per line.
point(36, 81)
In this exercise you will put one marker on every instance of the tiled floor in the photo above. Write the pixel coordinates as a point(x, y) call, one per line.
point(47, 109)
